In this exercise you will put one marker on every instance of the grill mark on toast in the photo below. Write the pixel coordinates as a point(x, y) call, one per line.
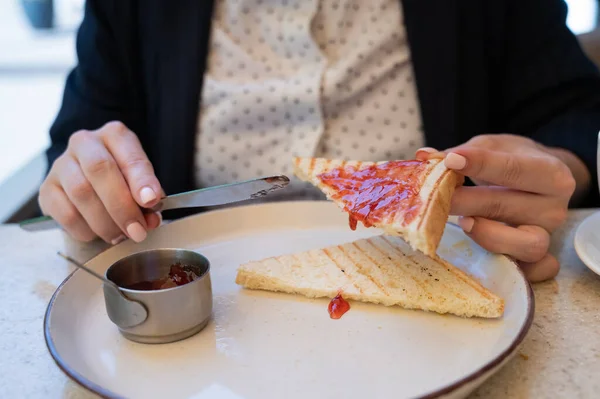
point(361, 271)
point(326, 252)
point(278, 259)
point(331, 278)
point(296, 259)
point(411, 259)
point(456, 293)
point(342, 165)
point(417, 282)
point(442, 282)
point(462, 276)
point(374, 261)
point(459, 274)
point(311, 166)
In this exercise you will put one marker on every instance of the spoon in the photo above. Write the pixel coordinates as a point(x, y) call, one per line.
point(90, 271)
point(129, 313)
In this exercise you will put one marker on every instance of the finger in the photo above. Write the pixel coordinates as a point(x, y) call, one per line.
point(524, 243)
point(517, 171)
point(101, 170)
point(509, 206)
point(499, 142)
point(425, 153)
point(485, 141)
point(82, 195)
point(545, 269)
point(422, 154)
point(127, 151)
point(153, 220)
point(55, 203)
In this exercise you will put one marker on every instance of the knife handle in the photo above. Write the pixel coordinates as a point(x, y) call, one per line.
point(47, 223)
point(39, 224)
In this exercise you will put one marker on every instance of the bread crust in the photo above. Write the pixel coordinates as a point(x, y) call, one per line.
point(434, 220)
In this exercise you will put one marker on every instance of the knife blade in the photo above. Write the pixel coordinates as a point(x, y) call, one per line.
point(211, 196)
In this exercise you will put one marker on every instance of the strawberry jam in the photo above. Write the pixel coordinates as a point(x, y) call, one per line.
point(375, 193)
point(337, 307)
point(177, 276)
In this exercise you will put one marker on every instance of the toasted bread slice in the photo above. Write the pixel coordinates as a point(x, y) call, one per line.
point(382, 270)
point(410, 199)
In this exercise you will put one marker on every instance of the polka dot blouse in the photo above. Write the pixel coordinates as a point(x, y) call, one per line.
point(321, 78)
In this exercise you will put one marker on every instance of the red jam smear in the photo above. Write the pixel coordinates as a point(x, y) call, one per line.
point(177, 277)
point(373, 194)
point(337, 307)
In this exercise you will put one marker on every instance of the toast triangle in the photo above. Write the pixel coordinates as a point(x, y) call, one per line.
point(381, 270)
point(432, 182)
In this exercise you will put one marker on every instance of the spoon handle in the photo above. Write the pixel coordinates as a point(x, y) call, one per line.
point(90, 271)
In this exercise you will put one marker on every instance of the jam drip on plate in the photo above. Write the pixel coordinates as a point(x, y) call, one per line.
point(376, 193)
point(177, 276)
point(337, 307)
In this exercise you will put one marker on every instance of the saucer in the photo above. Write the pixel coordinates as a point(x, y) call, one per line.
point(587, 242)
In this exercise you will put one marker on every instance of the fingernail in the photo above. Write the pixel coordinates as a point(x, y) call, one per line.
point(136, 231)
point(160, 219)
point(147, 195)
point(455, 161)
point(119, 239)
point(466, 223)
point(432, 153)
point(429, 150)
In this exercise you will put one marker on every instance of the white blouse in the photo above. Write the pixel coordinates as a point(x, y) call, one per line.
point(304, 77)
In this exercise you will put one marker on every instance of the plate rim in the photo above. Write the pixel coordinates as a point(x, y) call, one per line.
point(581, 253)
point(108, 394)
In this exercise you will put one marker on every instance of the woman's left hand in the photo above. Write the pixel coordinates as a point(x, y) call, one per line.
point(522, 196)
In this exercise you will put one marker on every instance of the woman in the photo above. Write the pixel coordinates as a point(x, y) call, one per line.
point(168, 97)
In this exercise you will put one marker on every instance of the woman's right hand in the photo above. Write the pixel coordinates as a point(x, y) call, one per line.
point(96, 187)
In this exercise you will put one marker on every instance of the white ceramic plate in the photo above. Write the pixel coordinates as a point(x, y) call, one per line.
point(587, 242)
point(269, 345)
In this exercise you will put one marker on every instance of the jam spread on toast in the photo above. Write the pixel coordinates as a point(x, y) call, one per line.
point(373, 194)
point(178, 275)
point(337, 307)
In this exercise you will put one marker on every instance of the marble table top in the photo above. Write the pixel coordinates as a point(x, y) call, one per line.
point(560, 357)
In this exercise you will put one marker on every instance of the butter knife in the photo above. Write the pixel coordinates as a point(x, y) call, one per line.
point(211, 196)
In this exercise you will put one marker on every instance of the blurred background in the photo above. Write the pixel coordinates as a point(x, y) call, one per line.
point(37, 49)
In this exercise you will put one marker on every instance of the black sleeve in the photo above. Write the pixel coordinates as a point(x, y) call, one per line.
point(102, 87)
point(550, 89)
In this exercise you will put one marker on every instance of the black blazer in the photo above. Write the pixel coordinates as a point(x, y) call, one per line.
point(503, 66)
